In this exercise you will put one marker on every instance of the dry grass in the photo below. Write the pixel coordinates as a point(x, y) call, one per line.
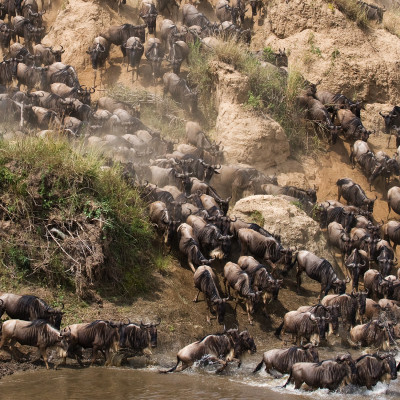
point(353, 11)
point(391, 21)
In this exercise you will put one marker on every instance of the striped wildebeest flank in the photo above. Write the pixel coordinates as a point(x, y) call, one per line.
point(97, 335)
point(148, 13)
point(354, 194)
point(375, 334)
point(138, 338)
point(374, 368)
point(320, 270)
point(327, 374)
point(350, 305)
point(221, 348)
point(205, 281)
point(356, 263)
point(38, 333)
point(282, 360)
point(30, 308)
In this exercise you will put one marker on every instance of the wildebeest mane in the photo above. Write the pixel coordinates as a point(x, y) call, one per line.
point(208, 285)
point(137, 337)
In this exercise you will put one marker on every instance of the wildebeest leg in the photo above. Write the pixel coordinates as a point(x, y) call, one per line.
point(191, 265)
point(339, 194)
point(298, 277)
point(390, 136)
point(196, 299)
point(44, 355)
point(94, 355)
point(248, 313)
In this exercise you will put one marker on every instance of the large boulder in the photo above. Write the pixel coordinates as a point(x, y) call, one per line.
point(246, 137)
point(281, 216)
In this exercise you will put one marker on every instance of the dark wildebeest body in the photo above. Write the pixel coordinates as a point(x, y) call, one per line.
point(372, 334)
point(155, 54)
point(391, 232)
point(190, 247)
point(378, 287)
point(239, 280)
point(36, 333)
point(138, 338)
point(61, 73)
point(97, 335)
point(64, 91)
point(46, 55)
point(356, 263)
point(148, 13)
point(134, 52)
point(350, 305)
point(260, 279)
point(30, 308)
point(180, 91)
point(353, 194)
point(393, 199)
point(220, 348)
point(372, 11)
point(119, 34)
point(320, 270)
point(267, 248)
point(205, 281)
point(352, 126)
point(374, 368)
point(22, 27)
point(99, 51)
point(30, 10)
point(301, 325)
point(178, 52)
point(328, 374)
point(282, 360)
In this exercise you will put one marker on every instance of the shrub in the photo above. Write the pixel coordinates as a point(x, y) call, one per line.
point(65, 221)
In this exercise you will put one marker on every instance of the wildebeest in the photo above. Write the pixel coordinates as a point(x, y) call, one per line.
point(46, 55)
point(356, 263)
point(119, 34)
point(267, 248)
point(391, 232)
point(191, 16)
point(22, 53)
point(223, 11)
point(134, 51)
point(353, 194)
point(350, 305)
point(29, 308)
point(30, 10)
point(374, 368)
point(336, 214)
point(59, 72)
point(282, 360)
point(180, 91)
point(220, 348)
point(81, 93)
point(352, 127)
point(329, 374)
point(22, 27)
point(155, 54)
point(320, 270)
point(372, 334)
point(384, 255)
point(392, 120)
point(237, 224)
point(338, 237)
point(99, 51)
point(190, 247)
point(301, 325)
point(32, 76)
point(372, 11)
point(5, 36)
point(239, 280)
point(206, 281)
point(138, 337)
point(393, 199)
point(97, 335)
point(378, 287)
point(334, 102)
point(37, 333)
point(148, 13)
point(178, 52)
point(370, 165)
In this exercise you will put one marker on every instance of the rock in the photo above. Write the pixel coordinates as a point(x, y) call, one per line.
point(286, 219)
point(246, 137)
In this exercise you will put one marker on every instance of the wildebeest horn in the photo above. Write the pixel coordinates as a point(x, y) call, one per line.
point(233, 220)
point(157, 323)
point(347, 280)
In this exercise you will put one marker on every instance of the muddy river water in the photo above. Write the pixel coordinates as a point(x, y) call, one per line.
point(128, 383)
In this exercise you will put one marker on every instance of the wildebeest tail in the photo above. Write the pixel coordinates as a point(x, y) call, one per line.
point(172, 369)
point(259, 366)
point(279, 329)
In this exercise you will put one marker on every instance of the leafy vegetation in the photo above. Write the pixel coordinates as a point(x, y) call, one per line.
point(66, 221)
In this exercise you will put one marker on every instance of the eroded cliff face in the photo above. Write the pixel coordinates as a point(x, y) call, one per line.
point(246, 137)
point(324, 44)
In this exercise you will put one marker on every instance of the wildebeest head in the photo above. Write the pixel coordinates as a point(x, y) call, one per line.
point(247, 342)
point(5, 36)
point(209, 171)
point(339, 285)
point(220, 305)
point(35, 34)
point(54, 317)
point(57, 53)
point(389, 364)
point(152, 332)
point(312, 351)
point(96, 55)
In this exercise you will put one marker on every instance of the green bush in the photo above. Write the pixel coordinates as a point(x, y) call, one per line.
point(66, 221)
